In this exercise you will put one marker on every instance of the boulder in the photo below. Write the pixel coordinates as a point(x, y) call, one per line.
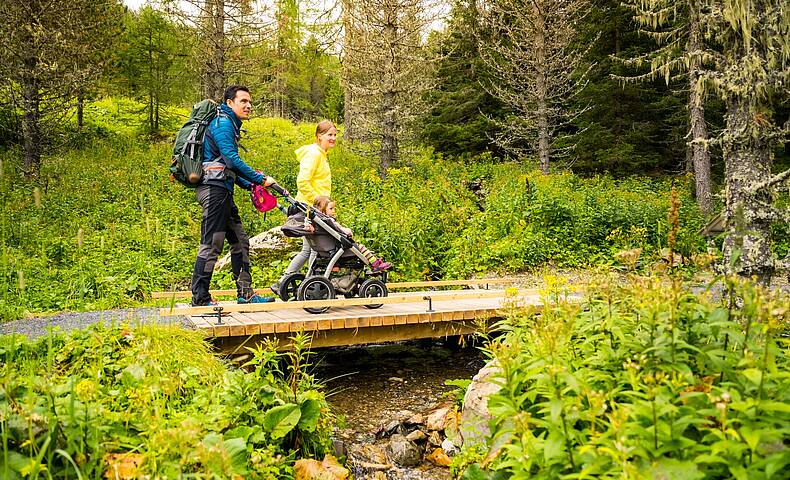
point(403, 452)
point(416, 419)
point(438, 457)
point(449, 448)
point(417, 436)
point(475, 416)
point(435, 439)
point(367, 453)
point(329, 469)
point(265, 247)
point(437, 419)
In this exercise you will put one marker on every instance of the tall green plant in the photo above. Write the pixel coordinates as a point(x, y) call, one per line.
point(645, 381)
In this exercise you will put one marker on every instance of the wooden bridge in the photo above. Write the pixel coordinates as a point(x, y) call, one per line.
point(402, 316)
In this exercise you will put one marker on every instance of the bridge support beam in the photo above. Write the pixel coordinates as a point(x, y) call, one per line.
point(358, 336)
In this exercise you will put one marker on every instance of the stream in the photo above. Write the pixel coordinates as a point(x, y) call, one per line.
point(370, 386)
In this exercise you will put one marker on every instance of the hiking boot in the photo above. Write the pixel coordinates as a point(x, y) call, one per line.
point(254, 299)
point(380, 265)
point(210, 303)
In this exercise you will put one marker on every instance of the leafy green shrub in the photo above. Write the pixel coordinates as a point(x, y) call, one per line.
point(75, 404)
point(531, 219)
point(645, 381)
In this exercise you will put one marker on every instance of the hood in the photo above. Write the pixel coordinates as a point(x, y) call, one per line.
point(302, 151)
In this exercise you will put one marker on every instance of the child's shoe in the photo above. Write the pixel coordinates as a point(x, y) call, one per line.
point(380, 265)
point(254, 299)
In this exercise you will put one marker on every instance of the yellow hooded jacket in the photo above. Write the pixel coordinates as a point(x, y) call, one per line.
point(314, 177)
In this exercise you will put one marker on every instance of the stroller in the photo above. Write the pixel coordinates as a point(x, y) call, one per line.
point(336, 265)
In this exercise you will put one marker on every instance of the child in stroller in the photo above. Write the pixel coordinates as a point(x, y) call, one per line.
point(338, 265)
point(326, 205)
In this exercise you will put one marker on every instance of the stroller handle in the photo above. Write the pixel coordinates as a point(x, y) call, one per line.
point(283, 192)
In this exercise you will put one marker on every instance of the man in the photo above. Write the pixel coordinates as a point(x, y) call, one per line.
point(222, 168)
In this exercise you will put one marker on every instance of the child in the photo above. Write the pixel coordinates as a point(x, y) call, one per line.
point(326, 205)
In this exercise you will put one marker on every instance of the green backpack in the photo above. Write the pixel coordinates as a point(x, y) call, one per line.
point(187, 165)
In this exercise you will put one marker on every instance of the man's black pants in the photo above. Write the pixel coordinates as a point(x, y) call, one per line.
point(220, 220)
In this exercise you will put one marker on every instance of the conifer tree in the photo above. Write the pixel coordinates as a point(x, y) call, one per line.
point(675, 27)
point(387, 70)
point(535, 69)
point(50, 51)
point(751, 75)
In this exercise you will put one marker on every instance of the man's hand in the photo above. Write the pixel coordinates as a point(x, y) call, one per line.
point(268, 181)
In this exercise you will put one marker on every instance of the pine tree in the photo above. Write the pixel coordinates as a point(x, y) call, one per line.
point(675, 27)
point(459, 119)
point(387, 70)
point(50, 52)
point(535, 69)
point(752, 73)
point(151, 64)
point(225, 29)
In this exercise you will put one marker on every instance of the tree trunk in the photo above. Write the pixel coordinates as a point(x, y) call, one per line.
point(389, 127)
point(389, 141)
point(31, 123)
point(348, 97)
point(151, 128)
point(348, 132)
point(214, 82)
point(699, 131)
point(80, 109)
point(541, 93)
point(747, 162)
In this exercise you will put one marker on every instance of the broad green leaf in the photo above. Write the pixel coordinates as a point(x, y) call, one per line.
point(474, 472)
point(16, 464)
point(310, 410)
point(282, 419)
point(237, 451)
point(754, 375)
point(241, 431)
point(671, 469)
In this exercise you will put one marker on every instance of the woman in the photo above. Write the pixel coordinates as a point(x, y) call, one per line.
point(314, 179)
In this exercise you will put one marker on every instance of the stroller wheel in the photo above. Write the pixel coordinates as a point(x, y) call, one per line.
point(316, 288)
point(373, 287)
point(290, 286)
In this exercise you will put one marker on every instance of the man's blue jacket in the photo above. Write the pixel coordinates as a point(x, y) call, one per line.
point(222, 142)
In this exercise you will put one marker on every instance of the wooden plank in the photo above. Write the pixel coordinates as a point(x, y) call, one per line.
point(267, 307)
point(235, 327)
point(455, 283)
point(267, 327)
point(220, 330)
point(214, 293)
point(390, 286)
point(251, 326)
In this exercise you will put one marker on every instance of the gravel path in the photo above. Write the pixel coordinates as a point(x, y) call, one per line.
point(39, 326)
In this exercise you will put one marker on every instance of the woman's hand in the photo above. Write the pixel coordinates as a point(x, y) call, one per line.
point(267, 180)
point(348, 231)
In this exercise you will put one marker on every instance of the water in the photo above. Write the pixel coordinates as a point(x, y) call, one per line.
point(370, 385)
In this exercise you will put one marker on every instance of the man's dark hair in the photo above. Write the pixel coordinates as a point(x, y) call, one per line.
point(230, 93)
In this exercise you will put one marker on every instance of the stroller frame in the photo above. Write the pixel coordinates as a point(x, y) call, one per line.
point(317, 284)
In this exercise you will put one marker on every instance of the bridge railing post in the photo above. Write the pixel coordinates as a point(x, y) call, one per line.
point(430, 303)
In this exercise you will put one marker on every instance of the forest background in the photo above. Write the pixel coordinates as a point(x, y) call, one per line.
point(476, 137)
